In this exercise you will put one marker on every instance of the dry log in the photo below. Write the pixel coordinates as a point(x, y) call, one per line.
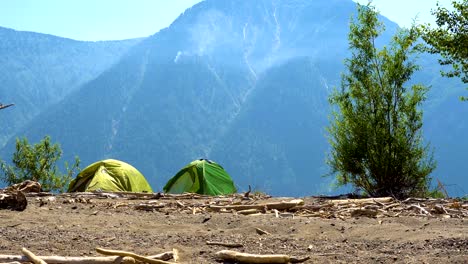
point(230, 245)
point(283, 205)
point(79, 260)
point(33, 258)
point(130, 254)
point(230, 255)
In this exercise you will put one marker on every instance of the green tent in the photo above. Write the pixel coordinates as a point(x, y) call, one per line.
point(111, 176)
point(201, 176)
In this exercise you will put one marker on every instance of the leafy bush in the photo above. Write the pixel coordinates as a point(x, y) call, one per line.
point(375, 134)
point(38, 163)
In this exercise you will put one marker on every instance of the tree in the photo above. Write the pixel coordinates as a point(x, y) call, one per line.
point(450, 38)
point(38, 163)
point(375, 132)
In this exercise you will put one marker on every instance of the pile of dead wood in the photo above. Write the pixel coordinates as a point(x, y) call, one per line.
point(261, 204)
point(385, 207)
point(341, 208)
point(124, 257)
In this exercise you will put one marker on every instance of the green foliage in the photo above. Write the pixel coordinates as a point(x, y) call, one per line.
point(450, 38)
point(38, 163)
point(436, 193)
point(375, 132)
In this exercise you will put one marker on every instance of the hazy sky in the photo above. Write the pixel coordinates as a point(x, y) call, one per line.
point(122, 19)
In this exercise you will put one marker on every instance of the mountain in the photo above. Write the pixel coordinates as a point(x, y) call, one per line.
point(37, 70)
point(244, 83)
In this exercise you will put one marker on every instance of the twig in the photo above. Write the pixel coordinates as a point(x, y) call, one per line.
point(246, 195)
point(258, 259)
point(230, 245)
point(261, 231)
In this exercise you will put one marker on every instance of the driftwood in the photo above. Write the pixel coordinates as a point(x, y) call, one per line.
point(268, 206)
point(33, 258)
point(230, 255)
point(130, 254)
point(79, 260)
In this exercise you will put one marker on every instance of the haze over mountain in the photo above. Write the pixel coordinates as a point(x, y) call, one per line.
point(37, 70)
point(244, 83)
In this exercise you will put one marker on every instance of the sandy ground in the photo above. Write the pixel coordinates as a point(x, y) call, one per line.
point(75, 228)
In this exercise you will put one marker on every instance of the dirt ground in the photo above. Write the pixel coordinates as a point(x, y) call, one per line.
point(68, 227)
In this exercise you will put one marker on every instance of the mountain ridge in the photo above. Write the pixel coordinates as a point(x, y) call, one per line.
point(219, 83)
point(38, 70)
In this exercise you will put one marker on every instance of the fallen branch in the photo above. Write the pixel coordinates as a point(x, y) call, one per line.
point(230, 245)
point(420, 209)
point(130, 254)
point(278, 206)
point(33, 258)
point(361, 201)
point(79, 260)
point(257, 259)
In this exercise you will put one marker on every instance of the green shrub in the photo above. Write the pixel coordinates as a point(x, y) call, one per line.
point(375, 135)
point(38, 163)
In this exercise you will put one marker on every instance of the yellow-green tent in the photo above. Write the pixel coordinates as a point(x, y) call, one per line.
point(111, 176)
